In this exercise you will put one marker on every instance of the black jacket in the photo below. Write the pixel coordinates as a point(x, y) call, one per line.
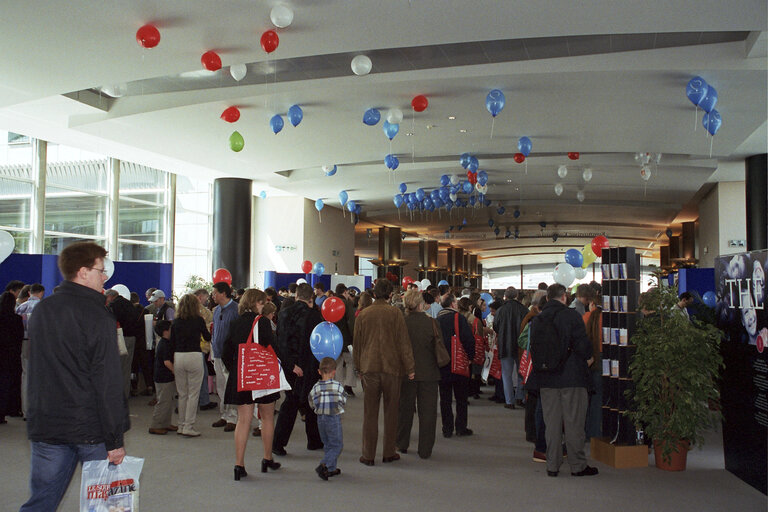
point(75, 382)
point(507, 323)
point(11, 336)
point(294, 328)
point(445, 318)
point(128, 316)
point(570, 325)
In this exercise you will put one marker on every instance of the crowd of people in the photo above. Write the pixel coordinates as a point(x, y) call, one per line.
point(397, 343)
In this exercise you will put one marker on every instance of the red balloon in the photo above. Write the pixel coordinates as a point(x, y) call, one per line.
point(211, 61)
point(333, 309)
point(222, 275)
point(406, 281)
point(573, 155)
point(269, 41)
point(519, 158)
point(598, 244)
point(148, 36)
point(419, 103)
point(231, 114)
point(471, 177)
point(306, 267)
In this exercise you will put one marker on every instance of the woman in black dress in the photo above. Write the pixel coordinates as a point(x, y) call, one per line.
point(250, 307)
point(11, 335)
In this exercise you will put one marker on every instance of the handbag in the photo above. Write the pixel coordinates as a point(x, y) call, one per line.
point(526, 363)
point(479, 343)
point(459, 359)
point(257, 367)
point(121, 347)
point(105, 486)
point(441, 353)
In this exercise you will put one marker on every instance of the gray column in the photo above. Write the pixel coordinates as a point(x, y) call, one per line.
point(756, 186)
point(37, 219)
point(113, 206)
point(232, 203)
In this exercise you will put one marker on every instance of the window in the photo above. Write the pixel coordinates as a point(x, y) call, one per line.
point(142, 213)
point(16, 188)
point(193, 234)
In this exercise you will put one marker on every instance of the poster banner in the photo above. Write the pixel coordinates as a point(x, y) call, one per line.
point(742, 315)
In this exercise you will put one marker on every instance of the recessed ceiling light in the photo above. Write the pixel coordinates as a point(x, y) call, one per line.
point(409, 134)
point(452, 118)
point(430, 126)
point(462, 130)
point(509, 181)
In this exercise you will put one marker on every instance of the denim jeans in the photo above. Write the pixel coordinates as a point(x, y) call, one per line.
point(52, 467)
point(332, 437)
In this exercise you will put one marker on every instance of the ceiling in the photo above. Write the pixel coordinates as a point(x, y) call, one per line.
point(604, 78)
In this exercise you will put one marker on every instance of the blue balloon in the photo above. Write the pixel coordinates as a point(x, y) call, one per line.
point(472, 200)
point(461, 227)
point(263, 194)
point(669, 232)
point(428, 204)
point(403, 187)
point(444, 193)
point(295, 115)
point(319, 204)
point(500, 210)
point(351, 205)
point(508, 234)
point(326, 341)
point(464, 221)
point(392, 162)
point(474, 163)
point(709, 101)
point(517, 233)
point(464, 160)
point(444, 180)
point(481, 198)
point(318, 268)
point(574, 258)
point(398, 200)
point(709, 298)
point(390, 130)
point(696, 89)
point(488, 300)
point(516, 213)
point(495, 102)
point(420, 194)
point(343, 197)
point(371, 117)
point(524, 146)
point(448, 205)
point(482, 177)
point(490, 223)
point(487, 202)
point(358, 208)
point(276, 123)
point(442, 282)
point(395, 163)
point(331, 172)
point(435, 194)
point(438, 202)
point(467, 187)
point(543, 224)
point(712, 121)
point(496, 231)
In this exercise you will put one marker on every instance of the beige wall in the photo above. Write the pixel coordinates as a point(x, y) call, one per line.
point(708, 235)
point(331, 242)
point(722, 217)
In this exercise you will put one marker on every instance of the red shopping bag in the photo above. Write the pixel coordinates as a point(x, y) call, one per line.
point(257, 367)
point(495, 370)
point(526, 364)
point(459, 359)
point(477, 329)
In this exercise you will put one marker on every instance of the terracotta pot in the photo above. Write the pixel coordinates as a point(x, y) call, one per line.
point(677, 458)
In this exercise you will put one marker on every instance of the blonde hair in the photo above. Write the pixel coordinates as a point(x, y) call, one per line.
point(249, 299)
point(269, 307)
point(189, 307)
point(412, 300)
point(365, 301)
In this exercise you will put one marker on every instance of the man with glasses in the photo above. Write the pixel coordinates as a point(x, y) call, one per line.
point(78, 410)
point(224, 312)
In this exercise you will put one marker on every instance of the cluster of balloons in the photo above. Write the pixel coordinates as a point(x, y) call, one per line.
point(577, 261)
point(308, 268)
point(222, 275)
point(524, 146)
point(704, 96)
point(422, 285)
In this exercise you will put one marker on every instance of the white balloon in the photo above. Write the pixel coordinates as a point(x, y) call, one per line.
point(453, 197)
point(581, 273)
point(580, 196)
point(238, 71)
point(454, 179)
point(564, 274)
point(562, 171)
point(558, 188)
point(425, 283)
point(395, 116)
point(7, 243)
point(281, 16)
point(479, 187)
point(301, 281)
point(361, 65)
point(123, 291)
point(109, 268)
point(645, 173)
point(587, 174)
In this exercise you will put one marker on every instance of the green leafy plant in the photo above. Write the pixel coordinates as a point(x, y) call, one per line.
point(194, 283)
point(675, 371)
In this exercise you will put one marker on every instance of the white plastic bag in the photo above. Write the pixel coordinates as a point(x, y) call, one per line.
point(108, 487)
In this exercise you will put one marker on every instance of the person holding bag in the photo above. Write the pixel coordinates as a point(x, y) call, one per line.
point(249, 324)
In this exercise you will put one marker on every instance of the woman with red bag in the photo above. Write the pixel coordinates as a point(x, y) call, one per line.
point(250, 308)
point(470, 310)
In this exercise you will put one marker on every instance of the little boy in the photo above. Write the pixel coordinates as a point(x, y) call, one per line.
point(327, 399)
point(164, 381)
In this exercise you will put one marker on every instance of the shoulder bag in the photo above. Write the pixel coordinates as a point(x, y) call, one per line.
point(459, 359)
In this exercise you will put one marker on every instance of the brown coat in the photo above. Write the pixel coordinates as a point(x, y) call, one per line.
point(380, 341)
point(422, 330)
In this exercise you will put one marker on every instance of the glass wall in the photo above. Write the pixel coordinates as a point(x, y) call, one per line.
point(193, 234)
point(16, 187)
point(142, 211)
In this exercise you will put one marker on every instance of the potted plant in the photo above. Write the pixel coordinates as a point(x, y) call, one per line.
point(675, 371)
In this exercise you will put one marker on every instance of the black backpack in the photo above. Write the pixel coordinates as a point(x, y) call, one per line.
point(549, 350)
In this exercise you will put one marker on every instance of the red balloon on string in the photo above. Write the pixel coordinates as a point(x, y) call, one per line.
point(269, 41)
point(519, 158)
point(573, 155)
point(148, 36)
point(306, 267)
point(419, 103)
point(333, 309)
point(222, 275)
point(598, 244)
point(471, 177)
point(211, 61)
point(406, 281)
point(231, 114)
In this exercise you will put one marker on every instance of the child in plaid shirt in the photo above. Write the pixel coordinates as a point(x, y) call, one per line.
point(327, 399)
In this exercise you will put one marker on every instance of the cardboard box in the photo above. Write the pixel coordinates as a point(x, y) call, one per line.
point(620, 457)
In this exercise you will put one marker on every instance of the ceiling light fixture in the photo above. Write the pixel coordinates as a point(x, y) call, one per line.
point(452, 118)
point(462, 130)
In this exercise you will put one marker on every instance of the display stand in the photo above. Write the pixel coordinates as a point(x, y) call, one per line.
point(620, 447)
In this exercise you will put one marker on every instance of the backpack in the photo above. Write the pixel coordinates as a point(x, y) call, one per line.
point(549, 350)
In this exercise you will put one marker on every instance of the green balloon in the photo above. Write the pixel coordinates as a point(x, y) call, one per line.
point(236, 142)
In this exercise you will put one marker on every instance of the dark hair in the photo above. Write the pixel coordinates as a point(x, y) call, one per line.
point(495, 305)
point(586, 291)
point(24, 293)
point(327, 365)
point(271, 292)
point(292, 288)
point(510, 293)
point(36, 288)
point(7, 304)
point(444, 288)
point(202, 291)
point(340, 288)
point(465, 304)
point(447, 300)
point(382, 289)
point(686, 296)
point(304, 292)
point(134, 298)
point(594, 333)
point(78, 255)
point(428, 298)
point(555, 291)
point(283, 289)
point(542, 286)
point(319, 286)
point(161, 326)
point(224, 288)
point(363, 301)
point(240, 292)
point(14, 285)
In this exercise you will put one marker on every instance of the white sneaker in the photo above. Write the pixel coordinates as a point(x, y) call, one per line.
point(190, 432)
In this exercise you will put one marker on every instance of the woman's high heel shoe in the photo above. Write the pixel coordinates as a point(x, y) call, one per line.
point(240, 472)
point(269, 464)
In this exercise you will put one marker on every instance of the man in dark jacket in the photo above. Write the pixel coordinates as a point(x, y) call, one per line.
point(507, 323)
point(345, 365)
point(294, 327)
point(452, 385)
point(563, 393)
point(132, 325)
point(77, 408)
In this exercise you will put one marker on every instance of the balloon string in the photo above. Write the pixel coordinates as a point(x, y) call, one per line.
point(695, 118)
point(320, 216)
point(711, 140)
point(493, 122)
point(413, 137)
point(526, 167)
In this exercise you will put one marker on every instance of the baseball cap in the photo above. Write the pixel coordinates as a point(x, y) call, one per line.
point(157, 294)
